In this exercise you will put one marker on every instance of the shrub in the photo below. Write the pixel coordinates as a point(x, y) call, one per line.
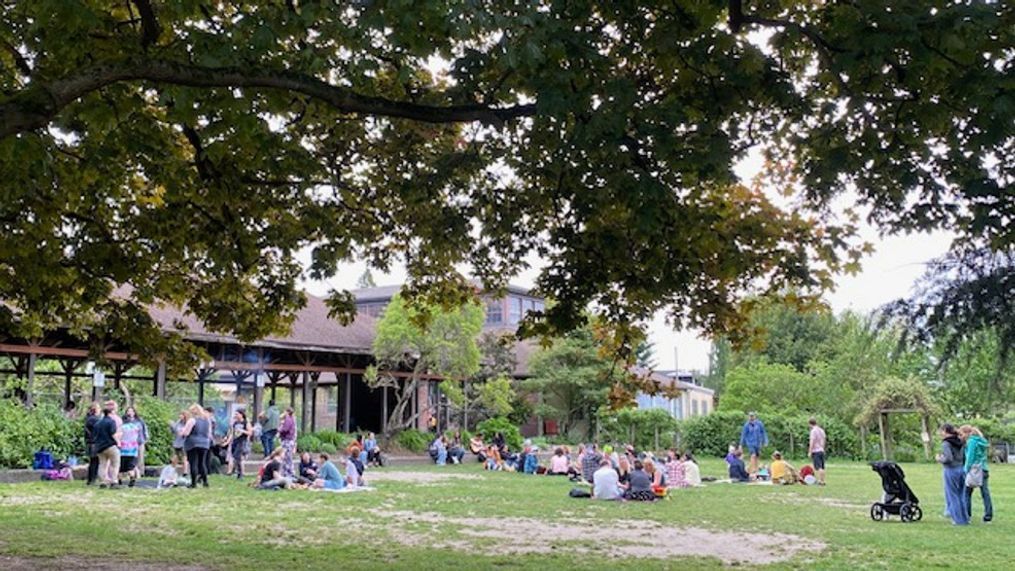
point(23, 432)
point(308, 443)
point(157, 415)
point(328, 448)
point(711, 435)
point(491, 426)
point(413, 440)
point(339, 440)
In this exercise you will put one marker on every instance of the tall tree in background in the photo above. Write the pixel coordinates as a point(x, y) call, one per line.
point(443, 344)
point(192, 149)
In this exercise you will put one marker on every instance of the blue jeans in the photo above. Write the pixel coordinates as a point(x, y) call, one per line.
point(442, 457)
point(268, 441)
point(988, 507)
point(955, 495)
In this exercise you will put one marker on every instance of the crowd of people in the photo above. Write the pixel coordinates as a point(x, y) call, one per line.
point(754, 437)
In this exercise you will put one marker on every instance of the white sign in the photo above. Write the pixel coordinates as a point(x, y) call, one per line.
point(98, 378)
point(259, 380)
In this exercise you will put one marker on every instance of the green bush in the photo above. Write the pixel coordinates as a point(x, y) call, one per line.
point(491, 426)
point(308, 443)
point(23, 432)
point(328, 448)
point(157, 415)
point(339, 440)
point(711, 435)
point(638, 427)
point(413, 440)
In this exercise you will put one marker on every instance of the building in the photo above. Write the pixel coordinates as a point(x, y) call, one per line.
point(504, 312)
point(693, 400)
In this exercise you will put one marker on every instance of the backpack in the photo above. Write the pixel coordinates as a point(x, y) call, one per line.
point(579, 493)
point(43, 460)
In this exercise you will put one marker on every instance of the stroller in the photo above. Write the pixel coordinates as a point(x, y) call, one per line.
point(898, 499)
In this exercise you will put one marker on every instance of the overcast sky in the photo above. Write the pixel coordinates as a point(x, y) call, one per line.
point(887, 274)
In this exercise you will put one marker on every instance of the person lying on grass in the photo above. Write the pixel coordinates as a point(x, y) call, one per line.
point(328, 476)
point(782, 472)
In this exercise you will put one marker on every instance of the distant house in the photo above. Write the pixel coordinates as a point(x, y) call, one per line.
point(502, 312)
point(693, 400)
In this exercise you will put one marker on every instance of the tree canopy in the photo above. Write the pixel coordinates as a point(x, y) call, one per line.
point(192, 149)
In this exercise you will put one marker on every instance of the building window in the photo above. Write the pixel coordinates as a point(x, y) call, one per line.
point(514, 310)
point(373, 309)
point(494, 311)
point(704, 407)
point(694, 408)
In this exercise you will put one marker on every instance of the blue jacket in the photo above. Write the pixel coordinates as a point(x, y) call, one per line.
point(753, 435)
point(531, 463)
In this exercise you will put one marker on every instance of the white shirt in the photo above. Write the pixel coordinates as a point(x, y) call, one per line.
point(351, 474)
point(692, 475)
point(605, 484)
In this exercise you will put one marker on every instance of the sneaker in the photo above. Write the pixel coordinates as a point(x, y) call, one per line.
point(131, 483)
point(103, 486)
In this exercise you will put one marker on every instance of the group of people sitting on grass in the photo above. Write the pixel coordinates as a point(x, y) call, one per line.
point(635, 476)
point(316, 472)
point(444, 449)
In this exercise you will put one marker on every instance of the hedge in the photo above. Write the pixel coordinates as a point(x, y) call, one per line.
point(24, 432)
point(711, 435)
point(512, 436)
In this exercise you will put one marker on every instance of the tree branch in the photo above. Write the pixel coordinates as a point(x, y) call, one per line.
point(150, 29)
point(33, 107)
point(19, 60)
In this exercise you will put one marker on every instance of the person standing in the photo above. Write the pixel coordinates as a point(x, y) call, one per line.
point(816, 449)
point(130, 446)
point(239, 435)
point(142, 443)
point(952, 459)
point(113, 413)
point(754, 438)
point(91, 419)
point(107, 446)
point(269, 428)
point(287, 435)
point(196, 442)
point(976, 457)
point(178, 438)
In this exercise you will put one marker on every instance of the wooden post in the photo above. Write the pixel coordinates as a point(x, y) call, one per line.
point(347, 397)
point(313, 401)
point(882, 430)
point(68, 371)
point(31, 379)
point(926, 437)
point(303, 401)
point(160, 381)
point(292, 391)
point(200, 388)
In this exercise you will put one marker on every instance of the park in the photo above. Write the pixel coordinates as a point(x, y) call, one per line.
point(394, 284)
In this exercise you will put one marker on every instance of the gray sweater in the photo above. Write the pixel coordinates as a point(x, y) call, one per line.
point(952, 454)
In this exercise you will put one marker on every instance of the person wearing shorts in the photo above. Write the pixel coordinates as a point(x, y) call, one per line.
point(753, 437)
point(816, 448)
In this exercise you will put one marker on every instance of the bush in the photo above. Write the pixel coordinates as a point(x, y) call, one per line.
point(23, 432)
point(308, 443)
point(414, 440)
point(711, 435)
point(157, 415)
point(328, 448)
point(339, 440)
point(512, 436)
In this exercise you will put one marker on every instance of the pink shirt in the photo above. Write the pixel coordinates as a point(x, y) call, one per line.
point(817, 439)
point(558, 464)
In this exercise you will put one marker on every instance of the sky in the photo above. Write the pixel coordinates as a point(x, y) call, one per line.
point(887, 274)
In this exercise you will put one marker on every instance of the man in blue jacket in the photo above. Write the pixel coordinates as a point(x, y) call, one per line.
point(754, 438)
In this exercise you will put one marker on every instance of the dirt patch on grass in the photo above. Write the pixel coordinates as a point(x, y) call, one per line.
point(810, 501)
point(423, 478)
point(11, 563)
point(610, 538)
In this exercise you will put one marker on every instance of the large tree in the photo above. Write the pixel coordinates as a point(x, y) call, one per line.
point(191, 149)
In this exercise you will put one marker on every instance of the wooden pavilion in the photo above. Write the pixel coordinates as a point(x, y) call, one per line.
point(318, 353)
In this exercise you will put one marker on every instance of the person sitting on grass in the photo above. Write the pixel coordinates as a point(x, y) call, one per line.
point(731, 454)
point(272, 476)
point(168, 476)
point(353, 477)
point(440, 451)
point(624, 473)
point(641, 488)
point(477, 447)
point(692, 474)
point(782, 472)
point(372, 450)
point(738, 472)
point(493, 459)
point(559, 466)
point(675, 477)
point(650, 468)
point(531, 464)
point(307, 469)
point(605, 482)
point(328, 476)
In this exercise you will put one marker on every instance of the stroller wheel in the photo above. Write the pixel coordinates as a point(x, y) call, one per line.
point(877, 512)
point(917, 513)
point(906, 513)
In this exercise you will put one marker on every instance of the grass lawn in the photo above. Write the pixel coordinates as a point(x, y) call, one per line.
point(461, 517)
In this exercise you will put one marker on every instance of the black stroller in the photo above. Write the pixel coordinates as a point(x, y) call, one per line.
point(898, 499)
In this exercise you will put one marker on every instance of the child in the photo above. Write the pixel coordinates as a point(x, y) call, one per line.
point(168, 476)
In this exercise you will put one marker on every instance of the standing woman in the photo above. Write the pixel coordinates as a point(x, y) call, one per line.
point(130, 445)
point(976, 455)
point(287, 435)
point(91, 420)
point(196, 442)
point(178, 438)
point(952, 459)
point(239, 435)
